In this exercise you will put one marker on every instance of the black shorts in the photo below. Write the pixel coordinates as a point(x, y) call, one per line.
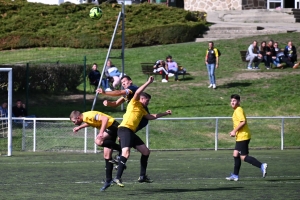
point(128, 138)
point(113, 130)
point(242, 147)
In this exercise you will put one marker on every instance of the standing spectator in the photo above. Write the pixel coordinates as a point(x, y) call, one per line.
point(160, 66)
point(253, 55)
point(94, 77)
point(112, 73)
point(172, 67)
point(212, 62)
point(264, 50)
point(290, 53)
point(19, 109)
point(242, 136)
point(3, 109)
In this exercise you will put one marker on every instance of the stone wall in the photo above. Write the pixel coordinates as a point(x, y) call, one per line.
point(209, 5)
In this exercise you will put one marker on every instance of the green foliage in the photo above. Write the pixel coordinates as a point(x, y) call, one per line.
point(27, 25)
point(46, 77)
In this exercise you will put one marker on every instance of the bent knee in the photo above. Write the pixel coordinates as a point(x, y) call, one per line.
point(98, 142)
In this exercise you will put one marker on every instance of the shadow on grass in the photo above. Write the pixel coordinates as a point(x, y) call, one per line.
point(282, 180)
point(235, 84)
point(176, 190)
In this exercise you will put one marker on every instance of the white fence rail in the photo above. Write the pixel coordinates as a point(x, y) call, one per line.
point(55, 134)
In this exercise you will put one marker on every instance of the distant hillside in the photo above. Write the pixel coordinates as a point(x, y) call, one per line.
point(25, 25)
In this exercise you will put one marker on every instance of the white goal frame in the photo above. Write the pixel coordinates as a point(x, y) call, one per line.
point(9, 109)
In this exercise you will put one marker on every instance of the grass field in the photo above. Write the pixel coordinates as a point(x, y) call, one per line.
point(176, 175)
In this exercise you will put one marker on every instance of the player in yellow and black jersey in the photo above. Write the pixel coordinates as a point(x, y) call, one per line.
point(242, 136)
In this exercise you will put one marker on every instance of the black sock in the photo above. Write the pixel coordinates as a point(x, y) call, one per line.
point(108, 170)
point(252, 161)
point(121, 167)
point(237, 165)
point(111, 144)
point(144, 163)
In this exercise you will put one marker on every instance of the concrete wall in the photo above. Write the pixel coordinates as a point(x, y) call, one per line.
point(209, 5)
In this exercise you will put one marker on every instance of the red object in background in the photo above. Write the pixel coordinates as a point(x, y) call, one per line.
point(160, 72)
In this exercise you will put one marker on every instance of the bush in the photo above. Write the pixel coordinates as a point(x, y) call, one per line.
point(27, 25)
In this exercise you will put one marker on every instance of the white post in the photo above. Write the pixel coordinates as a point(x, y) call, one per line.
point(34, 135)
point(9, 101)
point(85, 140)
point(282, 132)
point(95, 145)
point(216, 135)
point(147, 136)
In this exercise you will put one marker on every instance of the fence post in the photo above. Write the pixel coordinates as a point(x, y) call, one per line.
point(34, 135)
point(216, 135)
point(27, 86)
point(84, 83)
point(147, 136)
point(23, 140)
point(282, 132)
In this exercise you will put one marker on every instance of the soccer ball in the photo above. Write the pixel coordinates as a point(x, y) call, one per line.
point(95, 13)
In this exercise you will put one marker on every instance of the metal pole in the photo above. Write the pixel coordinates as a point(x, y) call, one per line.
point(123, 43)
point(107, 56)
point(282, 132)
point(216, 135)
point(147, 136)
point(27, 86)
point(34, 135)
point(85, 140)
point(84, 83)
point(9, 101)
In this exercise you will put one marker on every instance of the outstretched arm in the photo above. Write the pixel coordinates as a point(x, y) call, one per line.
point(114, 93)
point(114, 103)
point(155, 116)
point(77, 128)
point(142, 88)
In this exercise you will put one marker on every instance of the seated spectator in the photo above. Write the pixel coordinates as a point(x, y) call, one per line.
point(19, 110)
point(94, 77)
point(3, 109)
point(282, 58)
point(161, 67)
point(290, 52)
point(172, 67)
point(112, 73)
point(265, 51)
point(253, 55)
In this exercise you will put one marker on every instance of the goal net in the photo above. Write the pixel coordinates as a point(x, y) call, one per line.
point(6, 111)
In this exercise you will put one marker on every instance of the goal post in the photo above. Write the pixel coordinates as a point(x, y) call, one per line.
point(8, 84)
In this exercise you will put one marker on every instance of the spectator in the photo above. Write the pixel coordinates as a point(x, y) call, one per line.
point(94, 77)
point(290, 53)
point(212, 62)
point(282, 59)
point(112, 73)
point(253, 55)
point(172, 68)
point(3, 109)
point(160, 66)
point(19, 110)
point(265, 51)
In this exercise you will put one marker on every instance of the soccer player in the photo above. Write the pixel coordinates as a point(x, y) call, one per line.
point(242, 135)
point(126, 132)
point(106, 138)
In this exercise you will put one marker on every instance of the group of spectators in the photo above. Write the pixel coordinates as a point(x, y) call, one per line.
point(111, 78)
point(270, 54)
point(167, 68)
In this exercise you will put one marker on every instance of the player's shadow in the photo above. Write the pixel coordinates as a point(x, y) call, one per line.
point(235, 84)
point(194, 190)
point(281, 180)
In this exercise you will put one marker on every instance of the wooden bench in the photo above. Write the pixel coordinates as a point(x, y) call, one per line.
point(147, 68)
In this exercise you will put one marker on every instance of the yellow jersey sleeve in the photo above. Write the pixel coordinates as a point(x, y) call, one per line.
point(92, 119)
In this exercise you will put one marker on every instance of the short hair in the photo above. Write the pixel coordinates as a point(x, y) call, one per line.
point(169, 56)
point(75, 114)
point(211, 42)
point(236, 96)
point(146, 95)
point(125, 76)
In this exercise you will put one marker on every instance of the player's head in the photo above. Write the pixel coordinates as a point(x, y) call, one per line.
point(75, 117)
point(235, 101)
point(210, 45)
point(145, 98)
point(126, 81)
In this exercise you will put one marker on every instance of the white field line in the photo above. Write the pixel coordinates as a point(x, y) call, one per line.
point(184, 181)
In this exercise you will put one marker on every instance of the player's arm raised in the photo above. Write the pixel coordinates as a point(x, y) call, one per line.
point(155, 116)
point(114, 103)
point(142, 88)
point(114, 93)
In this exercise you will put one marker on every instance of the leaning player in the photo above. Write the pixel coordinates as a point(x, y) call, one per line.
point(106, 138)
point(126, 132)
point(242, 135)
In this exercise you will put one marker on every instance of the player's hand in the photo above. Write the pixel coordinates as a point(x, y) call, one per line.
point(232, 134)
point(100, 136)
point(100, 91)
point(105, 102)
point(151, 79)
point(76, 129)
point(169, 112)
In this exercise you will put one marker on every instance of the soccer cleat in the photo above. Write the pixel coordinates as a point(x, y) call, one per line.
point(144, 179)
point(118, 182)
point(263, 169)
point(232, 177)
point(106, 185)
